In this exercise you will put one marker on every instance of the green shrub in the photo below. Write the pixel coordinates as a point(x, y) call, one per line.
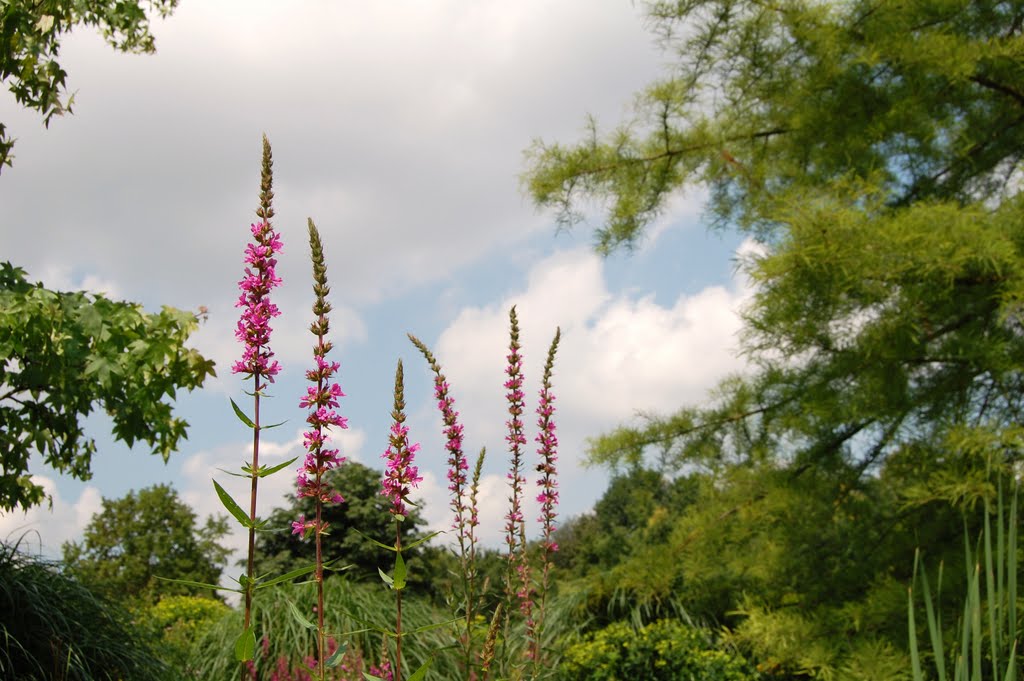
point(665, 649)
point(178, 621)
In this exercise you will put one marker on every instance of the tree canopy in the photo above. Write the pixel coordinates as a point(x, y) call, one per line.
point(30, 35)
point(871, 151)
point(62, 354)
point(135, 540)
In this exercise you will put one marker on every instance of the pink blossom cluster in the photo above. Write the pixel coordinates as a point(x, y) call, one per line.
point(254, 325)
point(384, 671)
point(400, 475)
point(548, 448)
point(322, 400)
point(516, 439)
point(457, 464)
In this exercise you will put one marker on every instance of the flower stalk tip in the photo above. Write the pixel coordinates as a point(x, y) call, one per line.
point(400, 475)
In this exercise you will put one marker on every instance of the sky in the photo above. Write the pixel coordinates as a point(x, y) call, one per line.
point(401, 128)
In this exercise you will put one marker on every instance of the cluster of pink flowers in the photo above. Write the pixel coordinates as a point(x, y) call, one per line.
point(548, 441)
point(457, 464)
point(515, 438)
point(384, 671)
point(254, 325)
point(322, 400)
point(400, 475)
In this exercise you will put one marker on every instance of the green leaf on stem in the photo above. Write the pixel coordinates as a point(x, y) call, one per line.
point(241, 415)
point(233, 508)
point(387, 578)
point(198, 585)
point(335, 659)
point(401, 571)
point(264, 472)
point(372, 540)
point(421, 673)
point(429, 627)
point(287, 577)
point(245, 473)
point(299, 617)
point(245, 646)
point(421, 540)
point(274, 425)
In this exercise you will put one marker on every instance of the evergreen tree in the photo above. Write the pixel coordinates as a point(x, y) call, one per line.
point(871, 151)
point(361, 517)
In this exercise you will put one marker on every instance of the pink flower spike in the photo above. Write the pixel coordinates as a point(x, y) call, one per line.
point(253, 327)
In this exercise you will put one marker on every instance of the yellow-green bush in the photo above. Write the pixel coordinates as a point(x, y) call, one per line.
point(177, 621)
point(663, 650)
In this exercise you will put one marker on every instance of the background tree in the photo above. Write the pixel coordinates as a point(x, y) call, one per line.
point(872, 152)
point(364, 509)
point(30, 34)
point(880, 175)
point(136, 539)
point(64, 354)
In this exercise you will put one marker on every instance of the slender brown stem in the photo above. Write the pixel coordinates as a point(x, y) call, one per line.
point(250, 568)
point(319, 544)
point(398, 615)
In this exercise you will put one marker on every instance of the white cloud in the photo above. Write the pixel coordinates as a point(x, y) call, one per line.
point(45, 529)
point(399, 131)
point(59, 277)
point(619, 354)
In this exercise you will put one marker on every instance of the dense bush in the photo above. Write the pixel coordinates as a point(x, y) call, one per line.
point(666, 649)
point(176, 622)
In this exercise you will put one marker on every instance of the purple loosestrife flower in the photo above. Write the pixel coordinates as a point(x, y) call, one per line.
point(321, 399)
point(457, 463)
point(400, 475)
point(515, 437)
point(548, 497)
point(548, 452)
point(254, 325)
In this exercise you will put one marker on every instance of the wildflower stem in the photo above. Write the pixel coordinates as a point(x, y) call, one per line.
point(321, 399)
point(250, 562)
point(254, 331)
point(398, 608)
point(548, 498)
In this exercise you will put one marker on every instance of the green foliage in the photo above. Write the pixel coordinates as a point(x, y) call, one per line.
point(872, 152)
point(632, 513)
point(355, 614)
point(922, 98)
point(806, 568)
point(665, 649)
point(880, 179)
point(176, 622)
point(987, 631)
point(138, 539)
point(64, 354)
point(30, 35)
point(54, 628)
